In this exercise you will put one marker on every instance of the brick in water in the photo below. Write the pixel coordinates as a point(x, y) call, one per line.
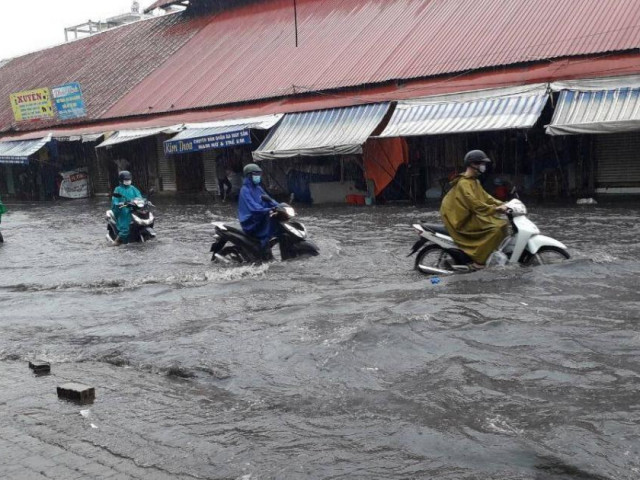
point(38, 366)
point(77, 392)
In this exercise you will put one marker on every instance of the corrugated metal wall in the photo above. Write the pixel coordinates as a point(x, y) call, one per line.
point(618, 160)
point(209, 163)
point(99, 174)
point(166, 167)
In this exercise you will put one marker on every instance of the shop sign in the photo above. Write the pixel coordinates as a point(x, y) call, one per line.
point(69, 101)
point(221, 140)
point(32, 105)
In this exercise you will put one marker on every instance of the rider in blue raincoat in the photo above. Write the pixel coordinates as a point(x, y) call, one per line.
point(123, 215)
point(254, 212)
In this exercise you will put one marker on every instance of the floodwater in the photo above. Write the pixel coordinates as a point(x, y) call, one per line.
point(345, 366)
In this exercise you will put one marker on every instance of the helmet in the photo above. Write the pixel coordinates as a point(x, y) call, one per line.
point(251, 168)
point(475, 156)
point(124, 175)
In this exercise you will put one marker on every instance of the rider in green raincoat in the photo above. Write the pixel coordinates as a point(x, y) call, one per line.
point(3, 209)
point(127, 193)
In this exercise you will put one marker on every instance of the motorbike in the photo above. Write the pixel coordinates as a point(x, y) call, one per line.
point(142, 220)
point(439, 255)
point(232, 245)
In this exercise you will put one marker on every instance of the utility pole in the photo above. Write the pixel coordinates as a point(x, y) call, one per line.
point(295, 19)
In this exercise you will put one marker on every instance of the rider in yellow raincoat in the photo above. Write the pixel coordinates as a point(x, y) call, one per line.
point(468, 212)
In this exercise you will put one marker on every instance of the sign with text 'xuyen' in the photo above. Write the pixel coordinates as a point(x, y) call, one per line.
point(32, 105)
point(69, 101)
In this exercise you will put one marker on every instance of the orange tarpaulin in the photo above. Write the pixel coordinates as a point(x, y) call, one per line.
point(382, 158)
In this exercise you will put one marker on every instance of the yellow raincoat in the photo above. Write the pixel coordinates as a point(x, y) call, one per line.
point(468, 212)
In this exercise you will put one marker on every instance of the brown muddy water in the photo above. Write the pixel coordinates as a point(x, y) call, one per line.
point(345, 366)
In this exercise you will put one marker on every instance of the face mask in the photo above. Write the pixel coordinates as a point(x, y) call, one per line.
point(482, 168)
point(256, 179)
point(127, 182)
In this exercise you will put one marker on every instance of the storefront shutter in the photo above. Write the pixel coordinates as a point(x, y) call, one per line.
point(618, 157)
point(210, 178)
point(166, 168)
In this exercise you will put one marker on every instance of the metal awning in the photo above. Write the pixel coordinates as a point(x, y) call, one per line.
point(338, 131)
point(476, 111)
point(18, 152)
point(590, 107)
point(122, 136)
point(197, 137)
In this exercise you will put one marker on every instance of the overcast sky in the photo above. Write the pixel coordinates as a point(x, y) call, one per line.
point(29, 25)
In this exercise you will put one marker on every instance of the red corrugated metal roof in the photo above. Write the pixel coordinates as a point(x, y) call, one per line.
point(621, 64)
point(107, 65)
point(248, 53)
point(177, 63)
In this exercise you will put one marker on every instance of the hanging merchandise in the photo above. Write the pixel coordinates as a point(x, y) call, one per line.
point(74, 184)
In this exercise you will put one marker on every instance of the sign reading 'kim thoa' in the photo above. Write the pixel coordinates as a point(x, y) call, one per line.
point(32, 105)
point(221, 140)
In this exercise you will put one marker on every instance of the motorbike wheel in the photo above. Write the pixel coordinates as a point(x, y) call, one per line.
point(548, 256)
point(232, 254)
point(434, 257)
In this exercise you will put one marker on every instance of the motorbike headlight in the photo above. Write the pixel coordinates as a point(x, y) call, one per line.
point(290, 212)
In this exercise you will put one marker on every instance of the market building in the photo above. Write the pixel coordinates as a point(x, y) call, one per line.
point(366, 99)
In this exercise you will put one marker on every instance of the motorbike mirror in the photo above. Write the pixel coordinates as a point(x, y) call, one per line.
point(151, 192)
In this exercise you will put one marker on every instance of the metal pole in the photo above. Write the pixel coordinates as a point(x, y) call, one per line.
point(295, 18)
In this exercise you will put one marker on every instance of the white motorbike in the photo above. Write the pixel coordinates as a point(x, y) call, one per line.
point(142, 220)
point(439, 255)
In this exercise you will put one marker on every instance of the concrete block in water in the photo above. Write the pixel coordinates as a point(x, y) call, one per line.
point(38, 366)
point(77, 392)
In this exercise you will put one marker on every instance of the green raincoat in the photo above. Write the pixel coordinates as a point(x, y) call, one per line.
point(468, 212)
point(3, 209)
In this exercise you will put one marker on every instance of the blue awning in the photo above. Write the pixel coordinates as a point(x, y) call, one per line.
point(474, 111)
point(19, 151)
point(338, 131)
point(596, 111)
point(226, 133)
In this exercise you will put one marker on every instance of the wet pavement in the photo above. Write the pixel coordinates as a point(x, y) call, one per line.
point(345, 366)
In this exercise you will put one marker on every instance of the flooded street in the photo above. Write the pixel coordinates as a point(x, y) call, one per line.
point(346, 366)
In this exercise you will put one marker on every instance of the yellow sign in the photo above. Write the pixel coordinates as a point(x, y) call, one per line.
point(32, 104)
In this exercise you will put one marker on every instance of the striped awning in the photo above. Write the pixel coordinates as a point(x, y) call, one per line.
point(18, 152)
point(338, 131)
point(122, 136)
point(596, 111)
point(226, 133)
point(476, 111)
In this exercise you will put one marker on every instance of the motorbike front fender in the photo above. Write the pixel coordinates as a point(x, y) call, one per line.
point(218, 245)
point(417, 246)
point(536, 242)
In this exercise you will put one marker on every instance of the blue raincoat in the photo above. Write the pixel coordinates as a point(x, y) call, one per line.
point(123, 215)
point(253, 212)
